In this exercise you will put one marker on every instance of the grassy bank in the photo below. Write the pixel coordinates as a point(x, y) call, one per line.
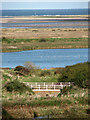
point(72, 105)
point(20, 102)
point(12, 45)
point(34, 76)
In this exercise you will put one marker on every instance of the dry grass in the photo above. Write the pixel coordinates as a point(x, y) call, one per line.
point(45, 33)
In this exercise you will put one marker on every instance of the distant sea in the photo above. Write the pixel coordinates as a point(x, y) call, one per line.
point(42, 12)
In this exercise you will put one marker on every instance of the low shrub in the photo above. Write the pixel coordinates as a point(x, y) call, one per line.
point(30, 66)
point(6, 115)
point(16, 86)
point(76, 73)
point(21, 70)
point(19, 73)
point(65, 91)
point(42, 40)
point(5, 76)
point(44, 73)
point(18, 68)
point(57, 72)
point(4, 38)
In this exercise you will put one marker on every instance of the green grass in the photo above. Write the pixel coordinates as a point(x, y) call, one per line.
point(69, 99)
point(8, 40)
point(43, 43)
point(33, 76)
point(67, 106)
point(21, 104)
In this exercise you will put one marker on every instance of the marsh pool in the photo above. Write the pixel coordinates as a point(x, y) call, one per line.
point(46, 58)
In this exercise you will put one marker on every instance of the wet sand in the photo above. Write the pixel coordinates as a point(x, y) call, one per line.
point(62, 17)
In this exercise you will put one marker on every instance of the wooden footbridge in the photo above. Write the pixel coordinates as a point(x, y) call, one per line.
point(47, 88)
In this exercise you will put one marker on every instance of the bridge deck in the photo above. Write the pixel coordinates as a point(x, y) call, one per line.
point(46, 90)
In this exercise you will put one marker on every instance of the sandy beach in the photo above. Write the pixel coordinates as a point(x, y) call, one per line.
point(61, 17)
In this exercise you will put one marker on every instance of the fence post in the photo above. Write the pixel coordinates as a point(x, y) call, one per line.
point(61, 85)
point(39, 87)
point(69, 83)
point(54, 87)
point(44, 84)
point(46, 87)
point(52, 84)
point(36, 84)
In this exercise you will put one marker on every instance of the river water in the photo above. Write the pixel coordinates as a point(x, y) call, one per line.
point(48, 24)
point(46, 58)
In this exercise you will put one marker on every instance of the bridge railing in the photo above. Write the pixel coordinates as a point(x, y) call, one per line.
point(48, 86)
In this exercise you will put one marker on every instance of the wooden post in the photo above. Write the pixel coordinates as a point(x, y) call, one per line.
point(61, 86)
point(39, 87)
point(44, 84)
point(46, 87)
point(54, 87)
point(52, 84)
point(36, 84)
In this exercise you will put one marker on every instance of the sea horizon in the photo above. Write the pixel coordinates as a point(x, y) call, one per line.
point(44, 12)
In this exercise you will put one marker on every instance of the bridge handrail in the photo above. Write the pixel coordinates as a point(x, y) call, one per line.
point(44, 86)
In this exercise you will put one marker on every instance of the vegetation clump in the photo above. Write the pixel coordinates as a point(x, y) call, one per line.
point(30, 66)
point(16, 86)
point(42, 43)
point(21, 70)
point(45, 72)
point(42, 40)
point(6, 115)
point(57, 71)
point(76, 73)
point(65, 90)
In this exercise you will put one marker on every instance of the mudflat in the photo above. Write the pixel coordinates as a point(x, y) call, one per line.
point(15, 39)
point(41, 31)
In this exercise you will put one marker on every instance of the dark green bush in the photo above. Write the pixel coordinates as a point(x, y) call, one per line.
point(4, 38)
point(76, 73)
point(18, 68)
point(42, 40)
point(16, 86)
point(5, 76)
point(57, 72)
point(19, 73)
point(44, 73)
point(22, 70)
point(6, 115)
point(65, 91)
